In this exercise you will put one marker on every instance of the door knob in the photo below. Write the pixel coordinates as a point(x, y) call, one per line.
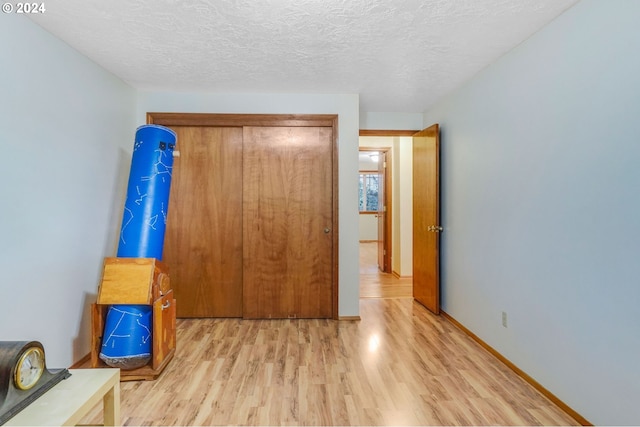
point(327, 230)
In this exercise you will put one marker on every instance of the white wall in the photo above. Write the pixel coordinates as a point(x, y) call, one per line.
point(368, 227)
point(345, 105)
point(403, 209)
point(369, 165)
point(65, 128)
point(541, 207)
point(395, 121)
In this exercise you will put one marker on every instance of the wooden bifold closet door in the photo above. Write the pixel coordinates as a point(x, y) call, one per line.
point(287, 222)
point(203, 238)
point(250, 222)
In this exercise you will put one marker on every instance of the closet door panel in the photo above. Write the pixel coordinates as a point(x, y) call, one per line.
point(203, 241)
point(287, 217)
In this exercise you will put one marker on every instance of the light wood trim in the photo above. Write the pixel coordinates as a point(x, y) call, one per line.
point(398, 276)
point(229, 120)
point(98, 317)
point(383, 132)
point(336, 246)
point(388, 202)
point(566, 408)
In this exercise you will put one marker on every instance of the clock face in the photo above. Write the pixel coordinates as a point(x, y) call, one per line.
point(29, 368)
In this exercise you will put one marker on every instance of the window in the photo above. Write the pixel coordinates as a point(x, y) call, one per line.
point(368, 191)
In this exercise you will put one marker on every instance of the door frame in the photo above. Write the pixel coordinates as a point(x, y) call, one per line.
point(387, 132)
point(271, 120)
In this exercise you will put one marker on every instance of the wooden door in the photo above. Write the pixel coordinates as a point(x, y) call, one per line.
point(382, 212)
point(287, 208)
point(203, 241)
point(426, 218)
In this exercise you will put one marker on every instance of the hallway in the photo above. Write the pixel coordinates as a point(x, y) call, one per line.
point(373, 283)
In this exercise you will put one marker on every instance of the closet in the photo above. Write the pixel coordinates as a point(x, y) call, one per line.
point(252, 224)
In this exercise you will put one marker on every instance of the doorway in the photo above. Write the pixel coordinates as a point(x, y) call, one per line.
point(398, 186)
point(417, 213)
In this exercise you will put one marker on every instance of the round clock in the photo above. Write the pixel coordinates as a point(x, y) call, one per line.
point(24, 376)
point(30, 367)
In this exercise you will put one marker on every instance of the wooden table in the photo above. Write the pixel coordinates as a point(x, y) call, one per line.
point(71, 399)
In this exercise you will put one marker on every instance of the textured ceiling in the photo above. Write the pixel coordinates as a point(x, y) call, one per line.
point(398, 55)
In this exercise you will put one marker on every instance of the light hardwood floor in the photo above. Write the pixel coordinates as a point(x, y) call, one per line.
point(398, 365)
point(373, 283)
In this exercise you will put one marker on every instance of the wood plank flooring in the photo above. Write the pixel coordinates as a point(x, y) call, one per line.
point(373, 283)
point(398, 365)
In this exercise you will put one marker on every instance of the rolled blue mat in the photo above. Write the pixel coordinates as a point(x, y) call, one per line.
point(126, 343)
point(145, 209)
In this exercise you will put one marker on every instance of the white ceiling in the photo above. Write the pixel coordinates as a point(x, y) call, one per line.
point(399, 55)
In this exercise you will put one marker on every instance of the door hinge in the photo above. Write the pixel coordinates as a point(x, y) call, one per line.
point(384, 164)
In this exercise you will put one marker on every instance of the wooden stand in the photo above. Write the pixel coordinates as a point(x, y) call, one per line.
point(137, 281)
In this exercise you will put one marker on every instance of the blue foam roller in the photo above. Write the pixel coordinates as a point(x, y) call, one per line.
point(126, 343)
point(145, 210)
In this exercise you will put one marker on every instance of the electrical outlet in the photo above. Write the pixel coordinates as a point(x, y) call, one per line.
point(504, 319)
